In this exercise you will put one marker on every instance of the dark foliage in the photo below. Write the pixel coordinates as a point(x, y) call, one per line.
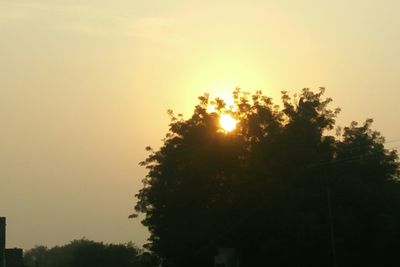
point(86, 253)
point(280, 188)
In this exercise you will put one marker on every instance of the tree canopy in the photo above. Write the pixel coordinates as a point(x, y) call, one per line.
point(283, 189)
point(86, 253)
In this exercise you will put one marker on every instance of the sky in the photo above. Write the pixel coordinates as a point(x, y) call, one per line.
point(85, 85)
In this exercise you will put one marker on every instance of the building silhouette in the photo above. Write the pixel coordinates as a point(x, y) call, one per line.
point(2, 242)
point(12, 257)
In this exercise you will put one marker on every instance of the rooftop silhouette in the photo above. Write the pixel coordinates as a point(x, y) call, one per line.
point(12, 257)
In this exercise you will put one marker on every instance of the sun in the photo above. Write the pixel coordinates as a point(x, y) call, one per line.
point(227, 122)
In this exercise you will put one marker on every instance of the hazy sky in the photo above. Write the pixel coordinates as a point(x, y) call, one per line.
point(85, 85)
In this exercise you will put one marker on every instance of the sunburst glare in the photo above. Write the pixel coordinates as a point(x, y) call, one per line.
point(227, 122)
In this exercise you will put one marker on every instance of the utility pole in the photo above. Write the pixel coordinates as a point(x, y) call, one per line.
point(330, 219)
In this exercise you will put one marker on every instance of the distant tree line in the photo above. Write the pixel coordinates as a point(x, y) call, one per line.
point(86, 253)
point(286, 188)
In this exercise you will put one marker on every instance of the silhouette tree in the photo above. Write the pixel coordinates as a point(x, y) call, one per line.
point(280, 188)
point(89, 253)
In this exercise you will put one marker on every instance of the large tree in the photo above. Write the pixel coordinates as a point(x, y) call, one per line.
point(281, 189)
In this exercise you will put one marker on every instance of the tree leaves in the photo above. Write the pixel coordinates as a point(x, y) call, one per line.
point(262, 188)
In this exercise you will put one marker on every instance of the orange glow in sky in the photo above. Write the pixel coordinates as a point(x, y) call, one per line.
point(85, 85)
